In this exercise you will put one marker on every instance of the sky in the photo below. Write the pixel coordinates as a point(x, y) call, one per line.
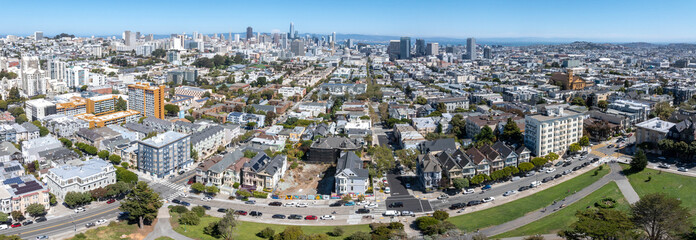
point(598, 20)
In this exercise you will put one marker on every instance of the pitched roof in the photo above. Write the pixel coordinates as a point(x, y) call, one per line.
point(439, 145)
point(352, 162)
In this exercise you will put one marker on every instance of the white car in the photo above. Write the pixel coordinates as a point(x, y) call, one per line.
point(302, 205)
point(550, 170)
point(290, 204)
point(469, 191)
point(100, 222)
point(3, 227)
point(387, 190)
point(508, 193)
point(371, 205)
point(327, 217)
point(207, 199)
point(488, 199)
point(443, 196)
point(79, 210)
point(362, 203)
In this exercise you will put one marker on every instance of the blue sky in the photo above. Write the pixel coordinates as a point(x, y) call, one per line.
point(607, 20)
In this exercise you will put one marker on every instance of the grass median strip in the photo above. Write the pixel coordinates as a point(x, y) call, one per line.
point(518, 208)
point(561, 219)
point(675, 185)
point(248, 230)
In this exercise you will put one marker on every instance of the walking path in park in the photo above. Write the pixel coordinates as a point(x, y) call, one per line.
point(163, 228)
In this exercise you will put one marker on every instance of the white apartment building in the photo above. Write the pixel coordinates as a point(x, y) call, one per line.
point(291, 91)
point(314, 109)
point(84, 177)
point(553, 132)
point(39, 108)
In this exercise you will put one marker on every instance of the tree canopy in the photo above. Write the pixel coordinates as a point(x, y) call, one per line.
point(142, 204)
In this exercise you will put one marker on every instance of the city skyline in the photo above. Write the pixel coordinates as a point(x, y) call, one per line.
point(615, 21)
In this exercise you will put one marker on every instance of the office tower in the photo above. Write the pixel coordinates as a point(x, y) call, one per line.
point(449, 49)
point(420, 47)
point(471, 48)
point(405, 48)
point(236, 37)
point(297, 48)
point(431, 49)
point(38, 35)
point(164, 154)
point(349, 43)
point(393, 49)
point(137, 36)
point(333, 37)
point(291, 34)
point(146, 99)
point(129, 38)
point(487, 53)
point(249, 33)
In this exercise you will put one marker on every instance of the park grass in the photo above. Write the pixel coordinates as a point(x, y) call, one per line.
point(518, 208)
point(675, 185)
point(164, 238)
point(112, 231)
point(563, 218)
point(248, 230)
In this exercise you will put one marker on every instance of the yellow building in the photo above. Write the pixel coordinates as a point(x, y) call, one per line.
point(146, 99)
point(110, 118)
point(569, 81)
point(103, 104)
point(77, 105)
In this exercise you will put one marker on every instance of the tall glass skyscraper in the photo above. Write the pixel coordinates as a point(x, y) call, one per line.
point(405, 48)
point(291, 34)
point(471, 48)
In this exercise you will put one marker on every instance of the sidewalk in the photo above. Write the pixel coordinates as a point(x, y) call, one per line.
point(625, 186)
point(163, 228)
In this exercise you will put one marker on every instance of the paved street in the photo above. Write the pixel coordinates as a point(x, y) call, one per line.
point(399, 193)
point(60, 225)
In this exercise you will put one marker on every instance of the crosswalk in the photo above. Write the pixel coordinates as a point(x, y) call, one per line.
point(177, 190)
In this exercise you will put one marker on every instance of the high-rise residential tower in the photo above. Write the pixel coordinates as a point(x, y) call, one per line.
point(291, 34)
point(431, 49)
point(148, 100)
point(471, 48)
point(420, 47)
point(405, 48)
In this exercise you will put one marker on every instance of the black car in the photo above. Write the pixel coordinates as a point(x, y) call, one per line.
point(547, 179)
point(255, 214)
point(295, 217)
point(363, 211)
point(275, 204)
point(577, 168)
point(336, 204)
point(222, 210)
point(523, 188)
point(474, 203)
point(396, 204)
point(89, 225)
point(585, 164)
point(558, 175)
point(185, 203)
point(41, 219)
point(27, 222)
point(566, 164)
point(176, 201)
point(457, 206)
point(279, 216)
point(594, 160)
point(206, 207)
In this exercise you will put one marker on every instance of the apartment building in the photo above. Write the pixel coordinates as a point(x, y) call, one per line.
point(127, 116)
point(82, 177)
point(194, 92)
point(553, 132)
point(350, 176)
point(17, 193)
point(146, 99)
point(263, 171)
point(64, 126)
point(164, 154)
point(75, 106)
point(39, 108)
point(103, 104)
point(206, 142)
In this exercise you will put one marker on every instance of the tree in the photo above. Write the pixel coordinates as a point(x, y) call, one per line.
point(159, 53)
point(66, 142)
point(384, 158)
point(663, 110)
point(458, 126)
point(599, 224)
point(52, 200)
point(3, 218)
point(103, 154)
point(485, 135)
point(480, 178)
point(578, 101)
point(121, 105)
point(115, 159)
point(189, 218)
point(199, 210)
point(408, 157)
point(227, 225)
point(552, 156)
point(171, 109)
point(511, 132)
point(212, 189)
point(421, 100)
point(22, 118)
point(17, 215)
point(584, 141)
point(539, 161)
point(661, 216)
point(360, 236)
point(440, 215)
point(123, 175)
point(36, 210)
point(603, 104)
point(525, 166)
point(639, 161)
point(92, 150)
point(142, 203)
point(267, 233)
point(575, 147)
point(460, 183)
point(198, 187)
point(290, 233)
point(74, 199)
point(98, 193)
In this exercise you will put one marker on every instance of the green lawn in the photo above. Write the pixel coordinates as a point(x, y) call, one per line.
point(112, 231)
point(675, 185)
point(518, 208)
point(248, 230)
point(566, 216)
point(164, 238)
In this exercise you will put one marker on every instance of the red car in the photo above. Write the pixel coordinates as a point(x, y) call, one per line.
point(240, 212)
point(310, 217)
point(110, 201)
point(16, 225)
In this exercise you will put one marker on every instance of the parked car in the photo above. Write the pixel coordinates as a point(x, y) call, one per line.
point(558, 175)
point(222, 210)
point(523, 188)
point(310, 217)
point(547, 179)
point(250, 202)
point(457, 206)
point(550, 170)
point(42, 237)
point(443, 196)
point(474, 203)
point(79, 210)
point(565, 164)
point(469, 191)
point(302, 205)
point(328, 217)
point(279, 216)
point(594, 160)
point(295, 217)
point(408, 213)
point(534, 184)
point(111, 201)
point(100, 222)
point(530, 173)
point(255, 214)
point(275, 204)
point(176, 201)
point(350, 203)
point(408, 185)
point(206, 207)
point(3, 226)
point(396, 205)
point(683, 169)
point(206, 198)
point(486, 187)
point(27, 222)
point(41, 219)
point(566, 172)
point(371, 205)
point(185, 203)
point(488, 199)
point(240, 212)
point(336, 204)
point(387, 190)
point(585, 164)
point(663, 165)
point(89, 225)
point(290, 204)
point(577, 168)
point(508, 193)
point(558, 164)
point(362, 211)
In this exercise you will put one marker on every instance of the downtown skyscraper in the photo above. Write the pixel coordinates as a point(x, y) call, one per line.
point(405, 48)
point(471, 48)
point(291, 34)
point(249, 33)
